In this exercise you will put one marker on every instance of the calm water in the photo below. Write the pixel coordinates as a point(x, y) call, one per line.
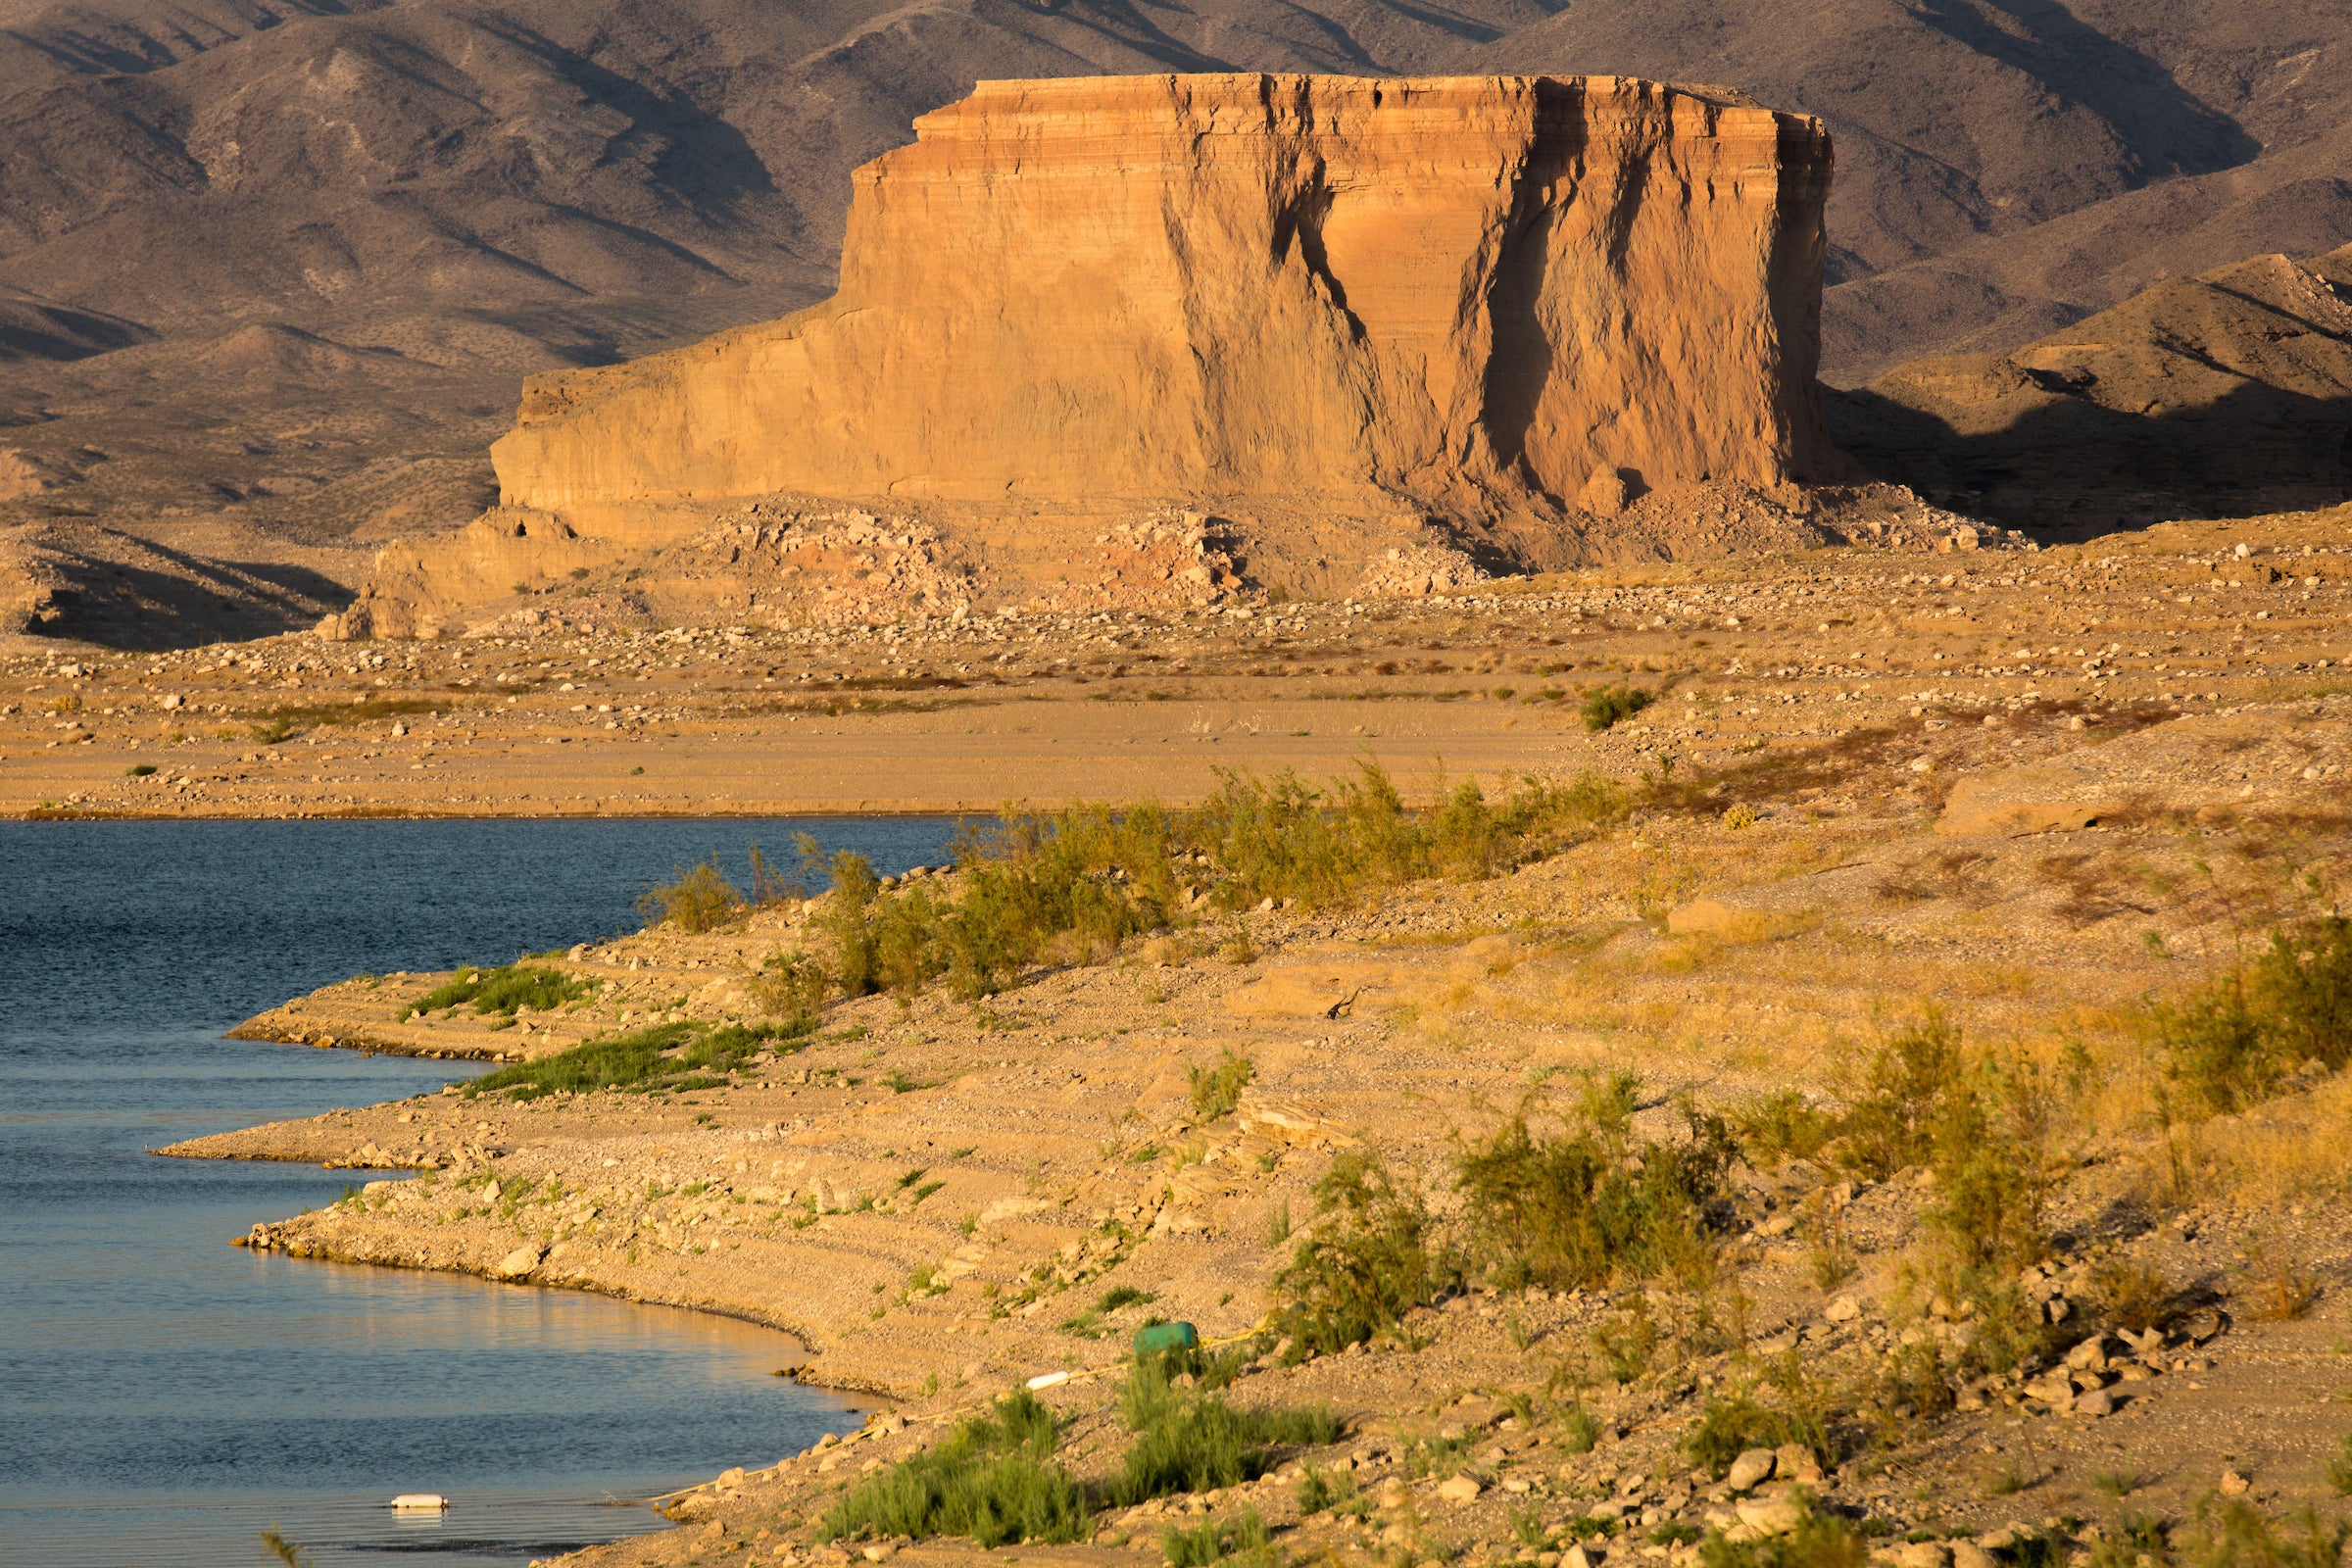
point(165, 1396)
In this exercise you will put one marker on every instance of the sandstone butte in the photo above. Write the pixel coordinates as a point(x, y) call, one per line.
point(1453, 292)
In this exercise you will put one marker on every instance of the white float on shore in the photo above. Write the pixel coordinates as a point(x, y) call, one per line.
point(420, 1503)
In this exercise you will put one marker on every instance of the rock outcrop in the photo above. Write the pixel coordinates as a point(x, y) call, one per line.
point(1136, 290)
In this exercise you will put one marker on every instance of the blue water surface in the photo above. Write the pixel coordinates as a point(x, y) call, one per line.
point(163, 1395)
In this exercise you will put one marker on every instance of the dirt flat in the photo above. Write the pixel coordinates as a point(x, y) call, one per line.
point(1745, 656)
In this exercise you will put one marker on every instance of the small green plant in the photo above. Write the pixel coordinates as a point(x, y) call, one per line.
point(2236, 1535)
point(1119, 1296)
point(1780, 1127)
point(1215, 1541)
point(699, 899)
point(138, 771)
point(1605, 707)
point(2228, 1042)
point(502, 991)
point(791, 986)
point(1217, 1089)
point(284, 1551)
point(1365, 1261)
point(1819, 1541)
point(2132, 1294)
point(2008, 1478)
point(2339, 1466)
point(1579, 1430)
point(1191, 1440)
point(676, 1057)
point(2116, 1484)
point(1278, 1222)
point(992, 1479)
point(1579, 1208)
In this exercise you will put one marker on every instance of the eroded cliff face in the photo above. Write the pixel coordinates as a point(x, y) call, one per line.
point(1458, 294)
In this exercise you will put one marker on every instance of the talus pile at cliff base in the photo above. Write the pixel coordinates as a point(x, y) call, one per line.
point(1141, 339)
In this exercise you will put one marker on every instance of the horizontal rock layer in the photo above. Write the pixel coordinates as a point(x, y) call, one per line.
point(1458, 292)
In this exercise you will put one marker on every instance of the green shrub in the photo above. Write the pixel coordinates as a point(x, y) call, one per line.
point(1213, 1541)
point(2235, 1535)
point(791, 986)
point(1604, 706)
point(2217, 1047)
point(679, 1055)
point(1820, 1540)
point(1908, 1085)
point(1189, 1441)
point(502, 991)
point(2228, 1042)
point(700, 899)
point(138, 771)
point(1589, 1205)
point(2339, 1466)
point(2305, 985)
point(1217, 1089)
point(1780, 1127)
point(1362, 1264)
point(991, 1479)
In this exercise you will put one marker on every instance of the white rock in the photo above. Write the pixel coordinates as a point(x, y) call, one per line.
point(1770, 1516)
point(1460, 1488)
point(1844, 1309)
point(1968, 1554)
point(519, 1263)
point(1752, 1468)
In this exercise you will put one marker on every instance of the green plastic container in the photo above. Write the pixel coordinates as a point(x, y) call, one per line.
point(1160, 1337)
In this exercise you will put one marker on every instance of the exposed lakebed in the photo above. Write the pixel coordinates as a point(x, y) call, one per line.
point(167, 1395)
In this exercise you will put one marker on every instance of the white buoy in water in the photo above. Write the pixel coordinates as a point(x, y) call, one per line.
point(420, 1503)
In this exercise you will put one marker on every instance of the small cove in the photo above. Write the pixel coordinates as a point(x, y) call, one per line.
point(167, 1395)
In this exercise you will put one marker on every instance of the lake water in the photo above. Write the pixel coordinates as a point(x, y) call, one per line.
point(163, 1395)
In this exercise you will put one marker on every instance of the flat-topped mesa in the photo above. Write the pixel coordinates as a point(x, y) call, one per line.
point(1135, 290)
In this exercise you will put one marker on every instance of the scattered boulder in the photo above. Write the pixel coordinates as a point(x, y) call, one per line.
point(519, 1263)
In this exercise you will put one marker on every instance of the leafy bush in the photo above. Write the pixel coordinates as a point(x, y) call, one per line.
point(679, 1055)
point(1363, 1263)
point(700, 899)
point(502, 991)
point(1780, 1127)
point(2235, 1535)
point(2228, 1042)
point(1188, 1440)
point(791, 986)
point(1284, 839)
point(1217, 1089)
point(1820, 1540)
point(1604, 706)
point(1213, 1541)
point(1589, 1205)
point(990, 1480)
point(1908, 1087)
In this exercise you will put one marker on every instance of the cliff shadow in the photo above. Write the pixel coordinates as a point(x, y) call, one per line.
point(178, 599)
point(2071, 468)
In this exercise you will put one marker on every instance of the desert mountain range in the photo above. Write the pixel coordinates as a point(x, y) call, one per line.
point(271, 270)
